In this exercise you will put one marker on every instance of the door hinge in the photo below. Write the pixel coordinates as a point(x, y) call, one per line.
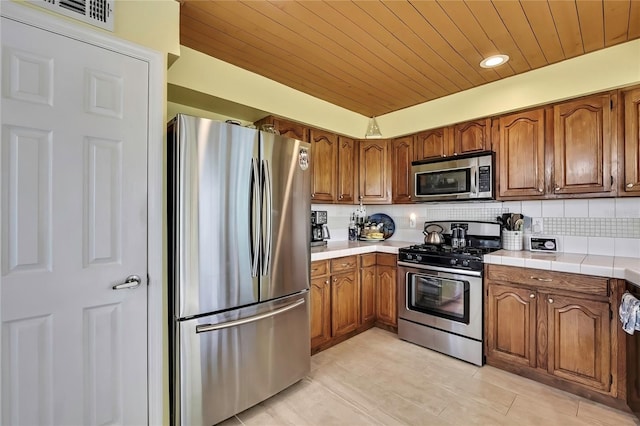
point(610, 314)
point(611, 180)
point(611, 103)
point(610, 379)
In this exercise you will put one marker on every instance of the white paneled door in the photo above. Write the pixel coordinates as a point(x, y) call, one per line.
point(73, 225)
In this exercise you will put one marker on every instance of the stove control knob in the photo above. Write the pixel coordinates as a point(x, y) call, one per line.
point(418, 257)
point(453, 261)
point(465, 262)
point(409, 256)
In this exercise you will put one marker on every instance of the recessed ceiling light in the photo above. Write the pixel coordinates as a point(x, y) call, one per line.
point(494, 61)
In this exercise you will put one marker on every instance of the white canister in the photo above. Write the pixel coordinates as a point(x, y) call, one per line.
point(512, 240)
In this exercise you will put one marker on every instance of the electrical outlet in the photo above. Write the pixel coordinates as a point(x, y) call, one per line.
point(536, 225)
point(412, 220)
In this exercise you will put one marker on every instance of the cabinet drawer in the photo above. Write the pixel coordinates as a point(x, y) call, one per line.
point(343, 264)
point(319, 268)
point(367, 260)
point(387, 259)
point(550, 280)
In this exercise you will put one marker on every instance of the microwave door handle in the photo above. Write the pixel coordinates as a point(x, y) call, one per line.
point(474, 180)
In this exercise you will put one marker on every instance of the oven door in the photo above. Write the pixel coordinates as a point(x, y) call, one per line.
point(437, 297)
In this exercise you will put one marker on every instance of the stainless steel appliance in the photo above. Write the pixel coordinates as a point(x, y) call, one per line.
point(464, 177)
point(440, 290)
point(319, 229)
point(238, 267)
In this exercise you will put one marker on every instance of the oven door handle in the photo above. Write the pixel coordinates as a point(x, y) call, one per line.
point(436, 269)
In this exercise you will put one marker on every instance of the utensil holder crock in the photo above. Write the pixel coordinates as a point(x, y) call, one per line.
point(512, 240)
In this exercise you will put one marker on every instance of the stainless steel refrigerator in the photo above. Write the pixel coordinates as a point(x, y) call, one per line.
point(239, 203)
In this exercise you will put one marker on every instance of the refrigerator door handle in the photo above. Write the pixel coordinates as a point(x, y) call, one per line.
point(203, 328)
point(267, 208)
point(254, 217)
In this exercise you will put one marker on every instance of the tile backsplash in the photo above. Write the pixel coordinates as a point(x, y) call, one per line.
point(604, 226)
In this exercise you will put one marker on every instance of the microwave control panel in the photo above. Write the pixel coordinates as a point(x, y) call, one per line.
point(484, 178)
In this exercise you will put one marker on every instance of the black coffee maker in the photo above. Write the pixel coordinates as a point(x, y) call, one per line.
point(319, 229)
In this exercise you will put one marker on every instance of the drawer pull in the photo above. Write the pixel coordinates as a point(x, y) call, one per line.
point(629, 185)
point(532, 296)
point(546, 280)
point(550, 300)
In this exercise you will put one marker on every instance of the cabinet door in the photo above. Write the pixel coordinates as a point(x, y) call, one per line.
point(386, 300)
point(347, 175)
point(401, 158)
point(520, 155)
point(433, 143)
point(368, 294)
point(374, 175)
point(345, 303)
point(472, 136)
point(286, 128)
point(511, 325)
point(582, 145)
point(579, 341)
point(324, 155)
point(631, 178)
point(320, 311)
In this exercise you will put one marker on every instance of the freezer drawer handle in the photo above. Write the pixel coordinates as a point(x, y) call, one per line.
point(203, 328)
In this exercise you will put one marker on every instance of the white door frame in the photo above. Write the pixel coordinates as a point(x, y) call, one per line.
point(155, 178)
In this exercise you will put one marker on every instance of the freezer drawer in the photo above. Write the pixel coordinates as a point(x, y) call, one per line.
point(232, 361)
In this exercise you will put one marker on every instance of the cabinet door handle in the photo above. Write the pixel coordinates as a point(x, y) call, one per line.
point(540, 190)
point(629, 185)
point(341, 197)
point(557, 188)
point(532, 296)
point(546, 280)
point(550, 300)
point(326, 282)
point(335, 280)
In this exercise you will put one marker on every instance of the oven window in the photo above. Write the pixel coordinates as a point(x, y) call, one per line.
point(455, 181)
point(441, 297)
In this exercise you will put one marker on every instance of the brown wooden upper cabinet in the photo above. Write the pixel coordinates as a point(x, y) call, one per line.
point(583, 145)
point(630, 178)
point(402, 154)
point(286, 128)
point(333, 173)
point(566, 150)
point(347, 173)
point(374, 171)
point(458, 139)
point(520, 155)
point(324, 162)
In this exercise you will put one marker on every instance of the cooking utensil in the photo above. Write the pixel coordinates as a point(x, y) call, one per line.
point(433, 237)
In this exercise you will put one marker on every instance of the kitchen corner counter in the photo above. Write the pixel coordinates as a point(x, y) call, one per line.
point(627, 268)
point(335, 249)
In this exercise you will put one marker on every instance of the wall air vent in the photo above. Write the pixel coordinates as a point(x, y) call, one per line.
point(95, 12)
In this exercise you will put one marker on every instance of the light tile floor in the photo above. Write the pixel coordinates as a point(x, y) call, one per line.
point(375, 378)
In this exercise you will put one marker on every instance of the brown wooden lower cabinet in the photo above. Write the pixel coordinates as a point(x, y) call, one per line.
point(558, 328)
point(349, 295)
point(386, 300)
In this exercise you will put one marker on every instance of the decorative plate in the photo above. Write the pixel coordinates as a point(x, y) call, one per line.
point(388, 227)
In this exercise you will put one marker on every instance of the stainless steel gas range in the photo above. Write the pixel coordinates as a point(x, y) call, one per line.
point(440, 297)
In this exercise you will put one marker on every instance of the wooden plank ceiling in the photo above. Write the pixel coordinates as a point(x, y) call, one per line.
point(375, 57)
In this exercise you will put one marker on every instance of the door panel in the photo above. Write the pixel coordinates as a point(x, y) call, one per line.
point(223, 372)
point(213, 223)
point(74, 223)
point(289, 253)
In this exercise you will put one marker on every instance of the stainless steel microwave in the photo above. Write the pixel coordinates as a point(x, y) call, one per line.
point(463, 177)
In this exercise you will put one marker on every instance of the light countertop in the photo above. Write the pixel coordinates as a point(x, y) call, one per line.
point(347, 248)
point(627, 268)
